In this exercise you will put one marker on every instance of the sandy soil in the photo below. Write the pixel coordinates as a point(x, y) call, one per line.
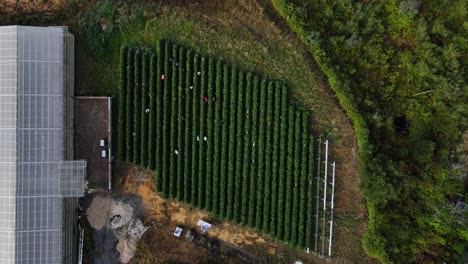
point(99, 211)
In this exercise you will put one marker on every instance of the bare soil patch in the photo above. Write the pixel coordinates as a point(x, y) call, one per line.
point(92, 125)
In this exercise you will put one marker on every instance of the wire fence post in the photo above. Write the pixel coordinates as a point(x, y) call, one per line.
point(331, 213)
point(80, 250)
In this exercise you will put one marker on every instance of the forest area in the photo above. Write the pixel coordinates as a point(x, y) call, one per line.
point(398, 69)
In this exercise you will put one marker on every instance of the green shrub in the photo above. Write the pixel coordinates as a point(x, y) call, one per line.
point(247, 150)
point(122, 96)
point(165, 136)
point(209, 129)
point(203, 134)
point(261, 155)
point(275, 124)
point(232, 145)
point(137, 108)
point(267, 198)
point(282, 176)
point(179, 64)
point(254, 151)
point(217, 168)
point(129, 104)
point(173, 136)
point(296, 177)
point(303, 183)
point(240, 143)
point(310, 196)
point(153, 114)
point(224, 144)
point(289, 174)
point(160, 114)
point(195, 131)
point(145, 104)
point(189, 139)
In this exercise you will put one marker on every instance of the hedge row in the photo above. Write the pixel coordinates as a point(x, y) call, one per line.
point(279, 98)
point(195, 128)
point(202, 120)
point(268, 158)
point(189, 142)
point(247, 154)
point(129, 106)
point(219, 138)
point(253, 164)
point(224, 144)
point(209, 135)
point(136, 106)
point(144, 130)
point(152, 119)
point(121, 144)
point(239, 146)
point(181, 123)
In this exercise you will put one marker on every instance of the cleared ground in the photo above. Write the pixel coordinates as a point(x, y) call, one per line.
point(92, 125)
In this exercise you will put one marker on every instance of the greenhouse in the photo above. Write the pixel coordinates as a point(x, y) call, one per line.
point(40, 183)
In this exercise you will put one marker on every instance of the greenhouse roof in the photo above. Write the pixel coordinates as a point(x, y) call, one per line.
point(32, 167)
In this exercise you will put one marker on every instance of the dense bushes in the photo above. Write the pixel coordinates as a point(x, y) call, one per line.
point(222, 139)
point(388, 61)
point(99, 42)
point(129, 108)
point(231, 166)
point(275, 160)
point(282, 163)
point(153, 114)
point(189, 139)
point(144, 105)
point(217, 168)
point(246, 191)
point(122, 105)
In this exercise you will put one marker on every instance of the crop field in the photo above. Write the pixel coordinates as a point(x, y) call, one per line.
point(220, 138)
